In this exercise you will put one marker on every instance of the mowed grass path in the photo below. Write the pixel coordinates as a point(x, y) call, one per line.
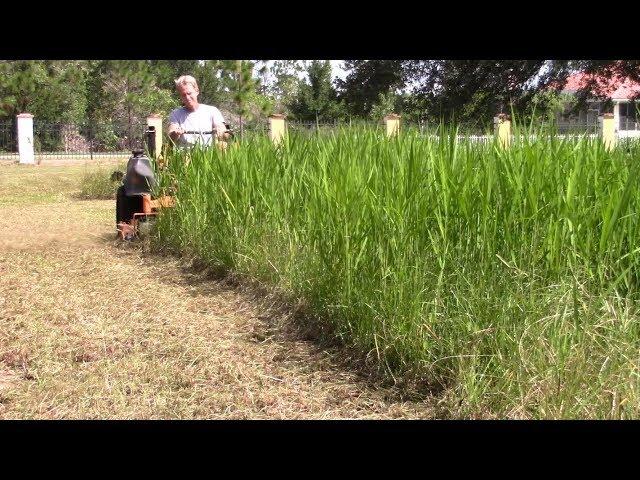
point(92, 329)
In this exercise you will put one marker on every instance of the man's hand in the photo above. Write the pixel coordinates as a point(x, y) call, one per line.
point(221, 130)
point(175, 132)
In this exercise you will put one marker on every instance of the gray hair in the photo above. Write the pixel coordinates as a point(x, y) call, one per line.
point(187, 80)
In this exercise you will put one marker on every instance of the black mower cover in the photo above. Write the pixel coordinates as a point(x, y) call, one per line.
point(139, 178)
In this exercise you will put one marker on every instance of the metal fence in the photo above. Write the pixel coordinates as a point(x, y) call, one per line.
point(81, 140)
point(86, 139)
point(471, 133)
point(97, 140)
point(8, 142)
point(577, 128)
point(249, 128)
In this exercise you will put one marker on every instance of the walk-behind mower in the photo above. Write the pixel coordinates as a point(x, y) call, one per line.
point(135, 206)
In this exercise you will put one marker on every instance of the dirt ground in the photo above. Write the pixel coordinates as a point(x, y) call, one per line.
point(94, 329)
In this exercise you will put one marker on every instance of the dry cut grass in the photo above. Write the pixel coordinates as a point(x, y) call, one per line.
point(93, 329)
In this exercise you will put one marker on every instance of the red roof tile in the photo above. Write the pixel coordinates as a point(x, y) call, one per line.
point(615, 87)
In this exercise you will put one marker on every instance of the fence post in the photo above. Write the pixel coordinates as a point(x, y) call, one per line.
point(609, 131)
point(25, 138)
point(155, 121)
point(392, 122)
point(277, 127)
point(502, 128)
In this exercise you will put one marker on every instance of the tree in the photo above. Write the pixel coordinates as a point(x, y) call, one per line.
point(317, 99)
point(284, 87)
point(243, 87)
point(366, 80)
point(213, 77)
point(124, 92)
point(167, 71)
point(210, 75)
point(50, 90)
point(473, 90)
point(387, 103)
point(263, 73)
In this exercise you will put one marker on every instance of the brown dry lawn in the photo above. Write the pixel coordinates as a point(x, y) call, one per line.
point(93, 329)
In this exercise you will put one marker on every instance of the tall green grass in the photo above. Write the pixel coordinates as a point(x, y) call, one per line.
point(99, 184)
point(507, 280)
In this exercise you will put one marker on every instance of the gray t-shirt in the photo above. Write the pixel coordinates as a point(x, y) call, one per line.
point(202, 119)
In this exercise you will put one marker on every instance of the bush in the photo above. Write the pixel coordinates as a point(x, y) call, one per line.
point(99, 185)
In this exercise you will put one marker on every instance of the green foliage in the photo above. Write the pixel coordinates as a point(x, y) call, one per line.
point(387, 103)
point(366, 80)
point(473, 90)
point(210, 75)
point(125, 91)
point(285, 85)
point(49, 90)
point(105, 137)
point(317, 99)
point(467, 91)
point(167, 71)
point(243, 86)
point(547, 104)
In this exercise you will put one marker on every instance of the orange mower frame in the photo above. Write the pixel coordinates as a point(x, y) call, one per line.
point(150, 208)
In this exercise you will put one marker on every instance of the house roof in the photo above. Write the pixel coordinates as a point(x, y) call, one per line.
point(615, 87)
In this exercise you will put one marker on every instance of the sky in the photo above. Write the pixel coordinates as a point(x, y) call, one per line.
point(336, 68)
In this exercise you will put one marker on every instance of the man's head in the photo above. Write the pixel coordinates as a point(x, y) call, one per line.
point(188, 89)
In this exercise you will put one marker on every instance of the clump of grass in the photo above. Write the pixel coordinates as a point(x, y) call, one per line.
point(506, 278)
point(100, 184)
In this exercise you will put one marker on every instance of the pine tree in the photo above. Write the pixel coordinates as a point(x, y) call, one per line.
point(242, 86)
point(286, 82)
point(317, 99)
point(123, 93)
point(49, 90)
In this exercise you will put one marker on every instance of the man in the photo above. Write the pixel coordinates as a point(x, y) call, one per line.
point(194, 117)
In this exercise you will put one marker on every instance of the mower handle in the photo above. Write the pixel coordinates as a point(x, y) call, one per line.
point(211, 132)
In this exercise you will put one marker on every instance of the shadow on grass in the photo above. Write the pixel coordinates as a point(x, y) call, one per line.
point(287, 321)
